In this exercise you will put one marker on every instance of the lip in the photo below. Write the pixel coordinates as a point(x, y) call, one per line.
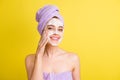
point(56, 38)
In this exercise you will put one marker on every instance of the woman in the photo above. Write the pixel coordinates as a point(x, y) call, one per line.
point(51, 62)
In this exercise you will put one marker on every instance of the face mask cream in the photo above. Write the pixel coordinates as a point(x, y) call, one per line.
point(54, 35)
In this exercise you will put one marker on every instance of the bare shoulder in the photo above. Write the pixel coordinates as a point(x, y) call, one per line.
point(29, 60)
point(73, 56)
point(74, 59)
point(30, 57)
point(29, 64)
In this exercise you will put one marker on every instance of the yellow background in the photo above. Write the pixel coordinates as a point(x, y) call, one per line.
point(92, 30)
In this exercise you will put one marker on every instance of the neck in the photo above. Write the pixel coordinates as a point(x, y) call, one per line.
point(51, 51)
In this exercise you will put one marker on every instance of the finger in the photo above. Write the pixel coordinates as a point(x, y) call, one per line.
point(44, 42)
point(43, 37)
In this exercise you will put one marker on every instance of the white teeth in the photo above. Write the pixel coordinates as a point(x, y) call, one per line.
point(54, 38)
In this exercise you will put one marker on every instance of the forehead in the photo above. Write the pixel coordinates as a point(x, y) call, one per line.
point(55, 22)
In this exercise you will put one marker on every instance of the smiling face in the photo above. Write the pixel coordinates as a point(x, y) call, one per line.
point(55, 31)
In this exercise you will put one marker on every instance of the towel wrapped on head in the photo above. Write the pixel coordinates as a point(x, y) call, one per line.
point(46, 13)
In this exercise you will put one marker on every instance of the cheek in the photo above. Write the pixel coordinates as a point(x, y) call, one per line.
point(61, 34)
point(50, 33)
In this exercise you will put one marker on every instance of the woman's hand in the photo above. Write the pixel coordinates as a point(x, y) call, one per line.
point(42, 43)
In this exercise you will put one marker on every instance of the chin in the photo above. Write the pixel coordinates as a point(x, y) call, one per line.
point(53, 44)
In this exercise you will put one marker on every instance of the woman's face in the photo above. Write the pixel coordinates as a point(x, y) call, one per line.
point(55, 31)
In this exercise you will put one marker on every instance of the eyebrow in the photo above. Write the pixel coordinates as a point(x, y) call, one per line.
point(54, 26)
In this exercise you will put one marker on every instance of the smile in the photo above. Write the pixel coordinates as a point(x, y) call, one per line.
point(55, 38)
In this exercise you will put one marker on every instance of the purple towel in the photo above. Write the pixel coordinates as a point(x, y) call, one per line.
point(44, 14)
point(59, 76)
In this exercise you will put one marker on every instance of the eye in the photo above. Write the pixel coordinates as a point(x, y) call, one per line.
point(49, 28)
point(60, 30)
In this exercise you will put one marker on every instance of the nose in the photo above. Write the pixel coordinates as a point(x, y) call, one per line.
point(56, 31)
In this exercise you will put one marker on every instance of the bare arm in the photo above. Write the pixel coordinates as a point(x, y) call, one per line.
point(34, 63)
point(76, 71)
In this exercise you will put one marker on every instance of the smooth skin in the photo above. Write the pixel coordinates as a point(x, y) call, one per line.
point(49, 59)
